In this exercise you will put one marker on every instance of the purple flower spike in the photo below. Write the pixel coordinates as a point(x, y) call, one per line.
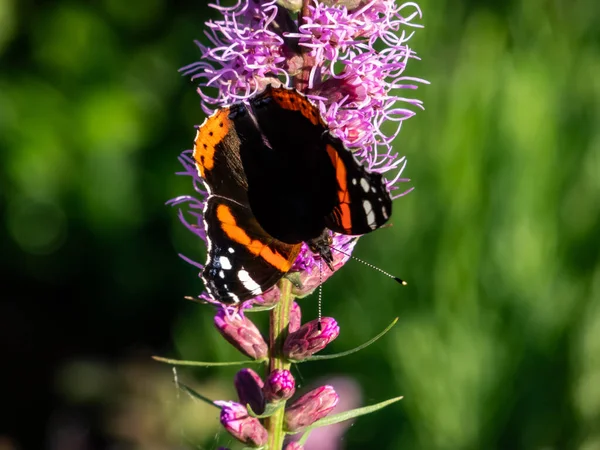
point(294, 446)
point(309, 339)
point(249, 387)
point(309, 408)
point(245, 428)
point(242, 334)
point(295, 318)
point(280, 385)
point(347, 56)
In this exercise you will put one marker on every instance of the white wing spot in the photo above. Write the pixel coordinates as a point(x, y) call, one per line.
point(231, 250)
point(234, 298)
point(364, 184)
point(225, 263)
point(249, 283)
point(354, 181)
point(373, 190)
point(222, 274)
point(370, 214)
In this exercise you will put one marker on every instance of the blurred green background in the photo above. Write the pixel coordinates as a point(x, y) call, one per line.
point(498, 343)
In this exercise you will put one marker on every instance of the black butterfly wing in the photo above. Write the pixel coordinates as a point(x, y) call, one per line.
point(363, 202)
point(291, 182)
point(243, 260)
point(217, 156)
point(325, 186)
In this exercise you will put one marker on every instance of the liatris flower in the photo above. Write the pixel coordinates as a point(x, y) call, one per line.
point(347, 57)
point(294, 446)
point(309, 408)
point(352, 82)
point(241, 333)
point(280, 385)
point(249, 387)
point(247, 429)
point(310, 338)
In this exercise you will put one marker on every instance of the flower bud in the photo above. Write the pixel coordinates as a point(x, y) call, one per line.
point(269, 298)
point(249, 387)
point(309, 408)
point(242, 334)
point(295, 317)
point(309, 339)
point(313, 271)
point(245, 428)
point(280, 385)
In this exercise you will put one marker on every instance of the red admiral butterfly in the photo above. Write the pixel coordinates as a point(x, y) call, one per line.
point(277, 177)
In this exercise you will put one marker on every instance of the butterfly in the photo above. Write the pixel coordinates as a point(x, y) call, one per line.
point(277, 177)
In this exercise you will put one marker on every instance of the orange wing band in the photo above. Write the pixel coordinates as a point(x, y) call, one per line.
point(343, 194)
point(292, 101)
point(254, 246)
point(211, 133)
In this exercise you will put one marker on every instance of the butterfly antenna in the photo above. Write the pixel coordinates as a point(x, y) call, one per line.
point(398, 280)
point(320, 295)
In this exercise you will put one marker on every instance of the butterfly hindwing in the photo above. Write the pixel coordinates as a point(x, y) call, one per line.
point(243, 260)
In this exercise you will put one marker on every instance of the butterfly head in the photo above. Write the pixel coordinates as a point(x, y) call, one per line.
point(322, 246)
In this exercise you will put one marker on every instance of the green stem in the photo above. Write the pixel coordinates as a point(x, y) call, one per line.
point(278, 330)
point(304, 11)
point(301, 80)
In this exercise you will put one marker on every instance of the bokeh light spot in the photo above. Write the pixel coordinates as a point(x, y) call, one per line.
point(37, 227)
point(8, 21)
point(135, 13)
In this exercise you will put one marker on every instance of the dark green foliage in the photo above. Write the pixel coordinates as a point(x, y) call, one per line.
point(498, 341)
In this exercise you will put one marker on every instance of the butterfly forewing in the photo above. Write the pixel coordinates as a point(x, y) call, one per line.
point(292, 185)
point(220, 167)
point(364, 203)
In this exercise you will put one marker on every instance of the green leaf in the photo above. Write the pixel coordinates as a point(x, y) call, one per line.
point(354, 350)
point(259, 308)
point(179, 362)
point(291, 5)
point(196, 396)
point(294, 278)
point(270, 409)
point(195, 300)
point(346, 415)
